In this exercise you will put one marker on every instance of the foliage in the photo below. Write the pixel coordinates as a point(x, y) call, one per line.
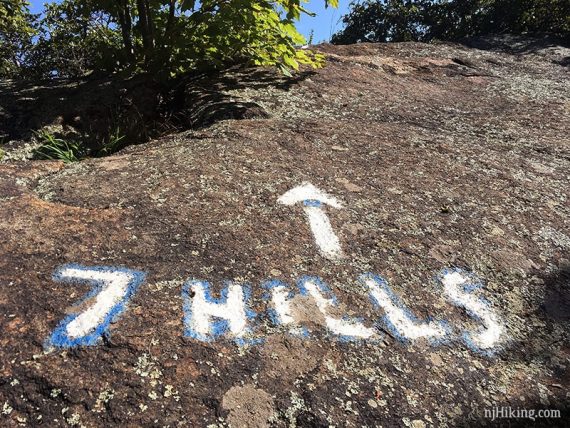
point(256, 32)
point(74, 37)
point(16, 32)
point(180, 35)
point(53, 148)
point(425, 20)
point(163, 37)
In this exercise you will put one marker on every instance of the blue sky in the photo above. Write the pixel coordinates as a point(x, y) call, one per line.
point(326, 23)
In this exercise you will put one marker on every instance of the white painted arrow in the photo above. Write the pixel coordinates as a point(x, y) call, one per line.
point(313, 199)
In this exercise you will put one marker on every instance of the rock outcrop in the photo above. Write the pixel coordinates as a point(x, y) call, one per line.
point(449, 166)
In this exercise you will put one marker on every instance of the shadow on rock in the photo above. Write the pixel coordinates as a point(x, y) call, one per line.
point(202, 101)
point(514, 44)
point(94, 111)
point(91, 109)
point(557, 50)
point(556, 304)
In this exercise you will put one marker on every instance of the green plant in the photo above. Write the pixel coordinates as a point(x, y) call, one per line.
point(311, 37)
point(115, 143)
point(426, 20)
point(16, 35)
point(175, 36)
point(53, 148)
point(163, 37)
point(73, 38)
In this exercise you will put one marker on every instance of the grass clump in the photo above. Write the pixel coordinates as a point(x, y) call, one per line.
point(116, 142)
point(53, 148)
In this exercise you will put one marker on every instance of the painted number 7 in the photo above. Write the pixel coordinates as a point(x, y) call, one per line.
point(112, 289)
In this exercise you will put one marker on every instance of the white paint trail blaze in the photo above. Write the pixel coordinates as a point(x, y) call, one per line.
point(313, 199)
point(453, 285)
point(397, 316)
point(325, 237)
point(307, 192)
point(280, 301)
point(337, 326)
point(233, 310)
point(114, 290)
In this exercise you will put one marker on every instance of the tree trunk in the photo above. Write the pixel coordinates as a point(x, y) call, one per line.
point(150, 20)
point(146, 28)
point(125, 22)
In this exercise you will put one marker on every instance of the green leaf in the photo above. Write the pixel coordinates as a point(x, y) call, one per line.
point(285, 70)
